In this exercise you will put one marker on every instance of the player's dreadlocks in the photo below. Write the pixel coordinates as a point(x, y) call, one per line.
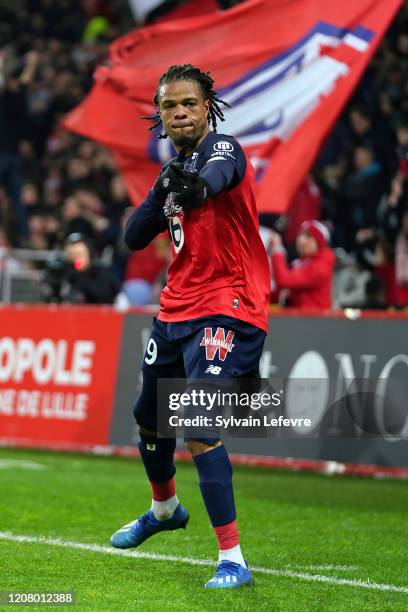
point(190, 73)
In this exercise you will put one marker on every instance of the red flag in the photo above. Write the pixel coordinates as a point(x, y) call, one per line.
point(287, 67)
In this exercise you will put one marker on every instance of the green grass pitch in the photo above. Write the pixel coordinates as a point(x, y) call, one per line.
point(344, 530)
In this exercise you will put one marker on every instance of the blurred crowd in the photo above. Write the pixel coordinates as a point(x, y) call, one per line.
point(362, 174)
point(54, 184)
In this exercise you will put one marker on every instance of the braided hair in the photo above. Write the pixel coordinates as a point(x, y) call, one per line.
point(190, 73)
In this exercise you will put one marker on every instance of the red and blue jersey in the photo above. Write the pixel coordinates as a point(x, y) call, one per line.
point(219, 264)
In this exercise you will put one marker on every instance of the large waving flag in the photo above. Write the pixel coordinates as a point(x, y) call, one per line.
point(287, 67)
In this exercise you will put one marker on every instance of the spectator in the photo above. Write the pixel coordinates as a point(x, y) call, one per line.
point(375, 135)
point(309, 279)
point(361, 192)
point(37, 230)
point(375, 295)
point(13, 110)
point(402, 150)
point(390, 208)
point(349, 282)
point(384, 270)
point(31, 199)
point(401, 263)
point(8, 264)
point(74, 219)
point(376, 256)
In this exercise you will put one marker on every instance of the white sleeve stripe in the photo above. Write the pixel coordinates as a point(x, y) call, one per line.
point(215, 158)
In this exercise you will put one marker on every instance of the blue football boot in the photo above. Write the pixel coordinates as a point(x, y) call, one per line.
point(230, 575)
point(136, 532)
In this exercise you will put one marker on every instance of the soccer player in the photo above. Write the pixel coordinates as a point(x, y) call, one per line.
point(213, 312)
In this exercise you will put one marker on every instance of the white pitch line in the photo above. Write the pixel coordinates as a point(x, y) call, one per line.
point(329, 567)
point(97, 548)
point(10, 464)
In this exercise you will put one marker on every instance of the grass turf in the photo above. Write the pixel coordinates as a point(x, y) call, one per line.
point(287, 521)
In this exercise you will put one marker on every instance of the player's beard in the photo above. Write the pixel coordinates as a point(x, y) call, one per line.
point(188, 140)
point(184, 140)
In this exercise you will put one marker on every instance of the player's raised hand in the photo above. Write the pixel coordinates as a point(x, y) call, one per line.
point(191, 189)
point(275, 242)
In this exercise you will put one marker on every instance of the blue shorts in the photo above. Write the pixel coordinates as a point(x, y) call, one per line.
point(209, 348)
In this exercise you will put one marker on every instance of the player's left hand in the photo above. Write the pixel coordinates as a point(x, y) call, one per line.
point(191, 189)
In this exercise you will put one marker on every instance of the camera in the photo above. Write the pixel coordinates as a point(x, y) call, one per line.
point(56, 288)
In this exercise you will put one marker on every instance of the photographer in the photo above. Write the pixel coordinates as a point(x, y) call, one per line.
point(78, 278)
point(91, 282)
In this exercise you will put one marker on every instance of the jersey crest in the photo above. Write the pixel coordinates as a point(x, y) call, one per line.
point(176, 233)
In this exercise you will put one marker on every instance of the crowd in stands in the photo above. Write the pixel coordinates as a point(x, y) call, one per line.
point(362, 174)
point(54, 184)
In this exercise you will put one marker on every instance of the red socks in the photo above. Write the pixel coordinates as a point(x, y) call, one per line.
point(161, 491)
point(227, 535)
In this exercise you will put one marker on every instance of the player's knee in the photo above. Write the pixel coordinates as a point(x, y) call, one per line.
point(197, 447)
point(145, 417)
point(144, 409)
point(147, 432)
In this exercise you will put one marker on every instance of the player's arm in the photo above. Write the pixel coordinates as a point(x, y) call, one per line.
point(145, 223)
point(224, 169)
point(218, 177)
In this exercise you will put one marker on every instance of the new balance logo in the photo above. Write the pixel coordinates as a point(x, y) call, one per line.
point(218, 342)
point(213, 370)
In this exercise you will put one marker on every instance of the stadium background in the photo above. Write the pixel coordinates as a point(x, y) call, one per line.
point(357, 186)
